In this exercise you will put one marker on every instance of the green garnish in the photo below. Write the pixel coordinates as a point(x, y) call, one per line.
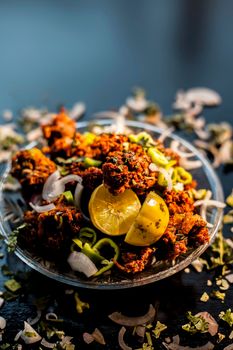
point(158, 329)
point(13, 237)
point(205, 297)
point(196, 324)
point(157, 157)
point(80, 305)
point(143, 138)
point(148, 338)
point(12, 285)
point(89, 162)
point(218, 295)
point(220, 337)
point(227, 316)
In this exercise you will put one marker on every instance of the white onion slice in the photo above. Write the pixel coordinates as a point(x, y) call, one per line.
point(49, 184)
point(65, 341)
point(46, 344)
point(34, 134)
point(34, 336)
point(167, 132)
point(88, 338)
point(69, 178)
point(210, 203)
point(204, 206)
point(50, 316)
point(34, 320)
point(81, 263)
point(1, 304)
point(98, 336)
point(190, 164)
point(18, 335)
point(78, 194)
point(175, 147)
point(121, 341)
point(203, 96)
point(77, 110)
point(42, 208)
point(138, 104)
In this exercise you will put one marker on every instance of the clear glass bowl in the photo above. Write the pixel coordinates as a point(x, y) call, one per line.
point(206, 178)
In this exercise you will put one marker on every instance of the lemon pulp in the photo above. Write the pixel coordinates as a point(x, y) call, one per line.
point(151, 222)
point(113, 215)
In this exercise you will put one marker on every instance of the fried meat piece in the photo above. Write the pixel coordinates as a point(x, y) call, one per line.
point(135, 262)
point(31, 168)
point(51, 232)
point(106, 143)
point(61, 126)
point(178, 202)
point(128, 170)
point(183, 229)
point(92, 178)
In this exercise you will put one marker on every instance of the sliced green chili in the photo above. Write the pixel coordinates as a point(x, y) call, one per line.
point(109, 263)
point(89, 162)
point(87, 234)
point(69, 197)
point(183, 176)
point(92, 253)
point(157, 157)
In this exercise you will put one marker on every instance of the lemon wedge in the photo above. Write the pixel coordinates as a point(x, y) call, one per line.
point(113, 215)
point(151, 222)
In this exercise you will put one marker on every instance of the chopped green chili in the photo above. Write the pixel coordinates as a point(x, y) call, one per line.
point(183, 176)
point(157, 157)
point(89, 162)
point(69, 197)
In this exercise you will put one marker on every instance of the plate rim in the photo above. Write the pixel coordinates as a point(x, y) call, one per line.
point(207, 168)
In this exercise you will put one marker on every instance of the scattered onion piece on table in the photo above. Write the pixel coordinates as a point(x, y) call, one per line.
point(36, 319)
point(121, 341)
point(29, 335)
point(175, 147)
point(165, 133)
point(123, 320)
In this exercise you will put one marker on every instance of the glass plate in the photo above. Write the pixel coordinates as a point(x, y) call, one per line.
point(206, 178)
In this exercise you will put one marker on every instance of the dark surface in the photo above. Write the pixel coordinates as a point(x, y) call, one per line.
point(64, 51)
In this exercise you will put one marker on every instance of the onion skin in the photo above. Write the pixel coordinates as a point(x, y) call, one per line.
point(121, 341)
point(123, 320)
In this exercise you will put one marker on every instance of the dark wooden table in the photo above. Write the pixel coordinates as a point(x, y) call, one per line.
point(64, 51)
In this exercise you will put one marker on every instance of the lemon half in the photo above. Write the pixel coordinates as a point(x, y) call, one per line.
point(151, 222)
point(113, 215)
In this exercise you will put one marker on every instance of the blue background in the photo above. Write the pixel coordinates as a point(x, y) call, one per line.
point(62, 51)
